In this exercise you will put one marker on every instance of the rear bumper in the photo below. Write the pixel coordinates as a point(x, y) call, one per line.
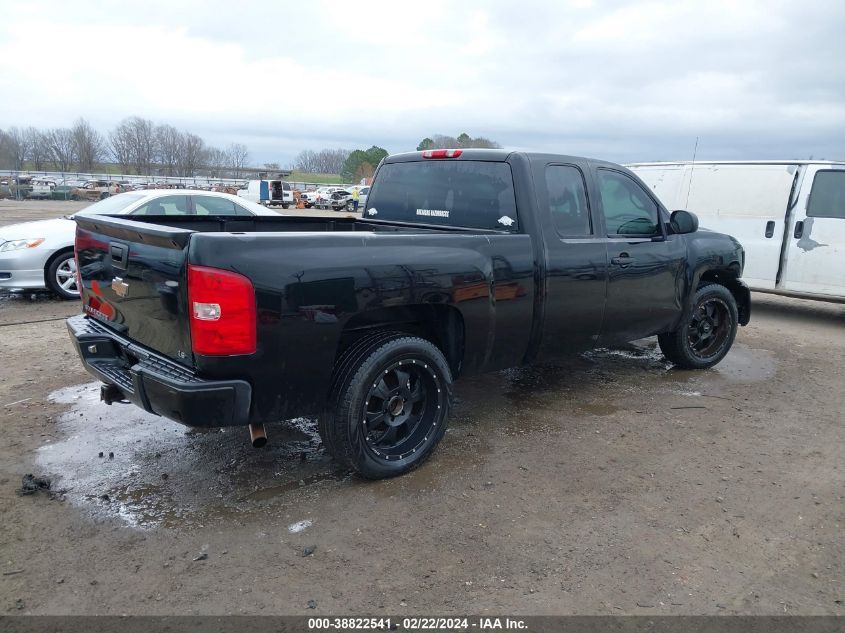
point(155, 383)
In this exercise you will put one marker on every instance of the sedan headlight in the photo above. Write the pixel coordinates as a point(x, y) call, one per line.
point(14, 245)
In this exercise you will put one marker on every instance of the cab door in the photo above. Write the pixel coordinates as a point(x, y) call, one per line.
point(813, 258)
point(646, 281)
point(576, 260)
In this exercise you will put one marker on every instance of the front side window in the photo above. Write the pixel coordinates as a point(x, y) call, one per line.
point(465, 193)
point(827, 197)
point(212, 205)
point(568, 201)
point(166, 205)
point(628, 209)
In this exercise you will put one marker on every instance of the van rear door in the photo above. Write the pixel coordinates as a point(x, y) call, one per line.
point(815, 249)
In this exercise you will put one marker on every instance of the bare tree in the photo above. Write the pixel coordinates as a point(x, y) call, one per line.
point(61, 148)
point(237, 155)
point(272, 166)
point(143, 143)
point(18, 147)
point(168, 144)
point(306, 161)
point(193, 154)
point(120, 146)
point(89, 145)
point(215, 160)
point(38, 152)
point(5, 151)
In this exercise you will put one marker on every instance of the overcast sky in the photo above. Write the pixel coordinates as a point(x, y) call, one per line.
point(623, 81)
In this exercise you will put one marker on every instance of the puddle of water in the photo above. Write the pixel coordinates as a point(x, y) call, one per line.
point(745, 364)
point(166, 474)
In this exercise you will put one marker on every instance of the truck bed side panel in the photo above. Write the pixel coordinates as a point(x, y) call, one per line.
point(310, 286)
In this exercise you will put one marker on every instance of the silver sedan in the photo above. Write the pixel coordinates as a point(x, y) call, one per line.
point(36, 255)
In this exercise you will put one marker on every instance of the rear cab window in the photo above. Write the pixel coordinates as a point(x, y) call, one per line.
point(459, 193)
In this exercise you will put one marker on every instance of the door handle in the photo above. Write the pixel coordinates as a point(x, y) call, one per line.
point(799, 229)
point(623, 260)
point(770, 228)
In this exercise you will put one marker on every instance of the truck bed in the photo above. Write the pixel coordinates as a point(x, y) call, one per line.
point(315, 280)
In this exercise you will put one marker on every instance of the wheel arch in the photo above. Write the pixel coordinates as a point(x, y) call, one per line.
point(442, 325)
point(53, 257)
point(729, 278)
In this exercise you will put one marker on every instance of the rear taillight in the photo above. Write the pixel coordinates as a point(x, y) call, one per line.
point(441, 153)
point(221, 311)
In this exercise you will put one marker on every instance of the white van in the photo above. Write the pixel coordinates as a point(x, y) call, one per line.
point(268, 192)
point(788, 215)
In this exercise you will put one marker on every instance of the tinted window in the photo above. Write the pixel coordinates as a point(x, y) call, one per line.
point(449, 192)
point(827, 197)
point(166, 205)
point(211, 205)
point(628, 210)
point(568, 200)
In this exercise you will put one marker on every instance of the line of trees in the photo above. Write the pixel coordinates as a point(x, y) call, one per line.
point(136, 145)
point(460, 141)
point(326, 161)
point(351, 165)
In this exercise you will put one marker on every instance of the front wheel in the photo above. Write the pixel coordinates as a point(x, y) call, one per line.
point(61, 276)
point(706, 334)
point(389, 405)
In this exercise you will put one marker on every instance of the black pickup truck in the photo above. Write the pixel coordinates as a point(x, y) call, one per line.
point(465, 261)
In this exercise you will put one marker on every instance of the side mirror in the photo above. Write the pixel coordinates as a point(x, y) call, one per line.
point(683, 222)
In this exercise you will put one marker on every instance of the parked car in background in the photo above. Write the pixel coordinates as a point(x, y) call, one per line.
point(338, 200)
point(788, 215)
point(268, 193)
point(319, 197)
point(36, 255)
point(95, 190)
point(42, 189)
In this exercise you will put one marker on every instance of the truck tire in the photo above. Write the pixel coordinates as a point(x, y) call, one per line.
point(706, 333)
point(388, 405)
point(60, 275)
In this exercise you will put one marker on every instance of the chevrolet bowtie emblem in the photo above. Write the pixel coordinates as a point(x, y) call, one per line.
point(121, 289)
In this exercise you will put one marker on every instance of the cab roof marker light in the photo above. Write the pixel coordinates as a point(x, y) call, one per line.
point(442, 153)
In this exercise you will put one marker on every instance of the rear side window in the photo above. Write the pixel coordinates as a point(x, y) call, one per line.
point(212, 205)
point(166, 205)
point(568, 201)
point(463, 193)
point(827, 197)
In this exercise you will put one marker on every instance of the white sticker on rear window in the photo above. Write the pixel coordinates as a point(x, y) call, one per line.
point(372, 211)
point(433, 213)
point(506, 221)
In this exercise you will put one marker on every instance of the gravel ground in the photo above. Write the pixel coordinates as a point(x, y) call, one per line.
point(606, 484)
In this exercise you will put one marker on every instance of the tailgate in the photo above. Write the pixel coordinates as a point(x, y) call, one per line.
point(134, 281)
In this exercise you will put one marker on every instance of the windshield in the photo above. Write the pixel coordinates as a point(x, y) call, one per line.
point(112, 204)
